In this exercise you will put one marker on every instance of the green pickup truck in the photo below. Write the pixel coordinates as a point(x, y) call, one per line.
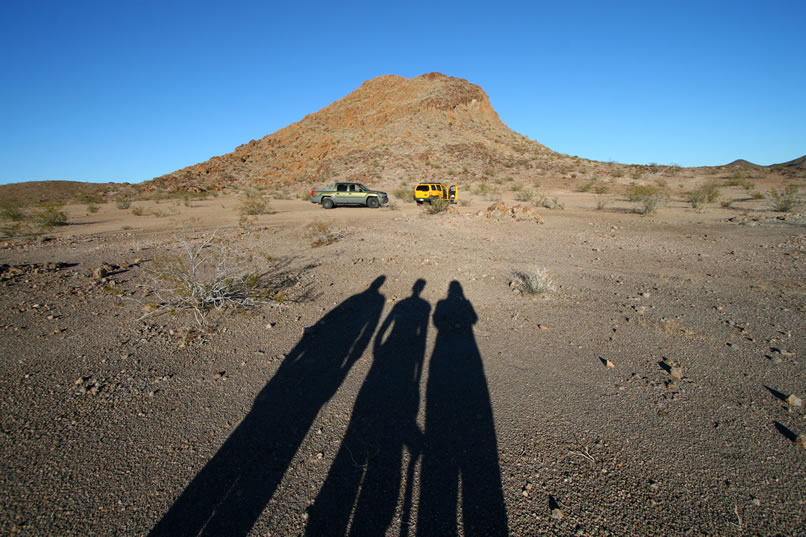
point(348, 194)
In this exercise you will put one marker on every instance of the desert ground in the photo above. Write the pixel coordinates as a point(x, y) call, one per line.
point(404, 383)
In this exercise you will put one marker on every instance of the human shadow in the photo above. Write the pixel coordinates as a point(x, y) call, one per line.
point(460, 468)
point(228, 495)
point(366, 476)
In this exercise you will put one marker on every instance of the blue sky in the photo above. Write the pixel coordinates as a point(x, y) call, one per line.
point(115, 90)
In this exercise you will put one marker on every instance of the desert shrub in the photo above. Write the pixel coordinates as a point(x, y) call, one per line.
point(534, 282)
point(253, 203)
point(49, 215)
point(618, 172)
point(525, 195)
point(12, 212)
point(757, 195)
point(587, 187)
point(138, 211)
point(208, 277)
point(89, 198)
point(707, 193)
point(727, 204)
point(464, 202)
point(436, 206)
point(738, 178)
point(306, 196)
point(649, 197)
point(785, 199)
point(602, 199)
point(92, 208)
point(320, 234)
point(405, 194)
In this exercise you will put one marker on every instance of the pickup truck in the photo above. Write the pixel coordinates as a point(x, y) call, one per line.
point(348, 194)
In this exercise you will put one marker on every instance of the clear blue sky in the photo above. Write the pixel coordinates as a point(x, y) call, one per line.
point(126, 90)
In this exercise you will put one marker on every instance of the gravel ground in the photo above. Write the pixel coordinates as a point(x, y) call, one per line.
point(406, 385)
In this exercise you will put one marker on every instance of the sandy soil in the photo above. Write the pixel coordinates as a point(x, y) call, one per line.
point(370, 403)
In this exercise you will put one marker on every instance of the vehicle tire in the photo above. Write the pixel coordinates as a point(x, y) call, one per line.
point(327, 203)
point(419, 201)
point(373, 203)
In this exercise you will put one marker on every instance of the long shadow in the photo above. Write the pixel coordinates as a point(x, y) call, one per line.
point(228, 495)
point(460, 467)
point(366, 476)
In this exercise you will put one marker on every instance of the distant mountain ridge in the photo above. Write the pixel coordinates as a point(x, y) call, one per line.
point(795, 163)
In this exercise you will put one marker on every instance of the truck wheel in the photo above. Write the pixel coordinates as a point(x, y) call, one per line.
point(327, 203)
point(373, 203)
point(419, 202)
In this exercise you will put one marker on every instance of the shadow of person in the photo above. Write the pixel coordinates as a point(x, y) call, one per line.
point(460, 459)
point(366, 474)
point(228, 495)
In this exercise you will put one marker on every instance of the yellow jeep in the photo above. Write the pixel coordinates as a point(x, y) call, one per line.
point(431, 191)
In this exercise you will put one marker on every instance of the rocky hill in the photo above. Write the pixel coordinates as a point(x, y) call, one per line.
point(391, 127)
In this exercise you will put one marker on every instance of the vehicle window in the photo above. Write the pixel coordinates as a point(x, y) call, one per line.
point(361, 188)
point(342, 188)
point(422, 188)
point(354, 188)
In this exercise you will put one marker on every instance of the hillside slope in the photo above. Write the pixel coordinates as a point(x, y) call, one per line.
point(406, 126)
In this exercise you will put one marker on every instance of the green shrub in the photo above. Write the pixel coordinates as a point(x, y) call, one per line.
point(405, 194)
point(254, 203)
point(649, 197)
point(785, 199)
point(49, 215)
point(10, 211)
point(707, 193)
point(123, 202)
point(436, 206)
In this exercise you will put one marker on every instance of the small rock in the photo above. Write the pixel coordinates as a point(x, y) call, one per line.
point(800, 440)
point(676, 372)
point(609, 364)
point(793, 400)
point(542, 327)
point(557, 514)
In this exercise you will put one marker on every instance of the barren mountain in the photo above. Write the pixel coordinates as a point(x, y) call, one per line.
point(405, 126)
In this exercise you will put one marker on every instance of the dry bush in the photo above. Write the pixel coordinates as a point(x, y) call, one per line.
point(320, 234)
point(436, 206)
point(535, 282)
point(208, 277)
point(254, 203)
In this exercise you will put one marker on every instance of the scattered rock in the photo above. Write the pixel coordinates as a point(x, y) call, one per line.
point(676, 372)
point(557, 514)
point(800, 440)
point(793, 400)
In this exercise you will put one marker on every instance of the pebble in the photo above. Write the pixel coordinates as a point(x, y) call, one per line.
point(793, 400)
point(609, 364)
point(557, 514)
point(676, 372)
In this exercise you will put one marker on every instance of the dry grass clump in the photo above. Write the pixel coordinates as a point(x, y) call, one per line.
point(534, 283)
point(207, 277)
point(320, 234)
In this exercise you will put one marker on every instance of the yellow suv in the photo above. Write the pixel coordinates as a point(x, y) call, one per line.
point(431, 191)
